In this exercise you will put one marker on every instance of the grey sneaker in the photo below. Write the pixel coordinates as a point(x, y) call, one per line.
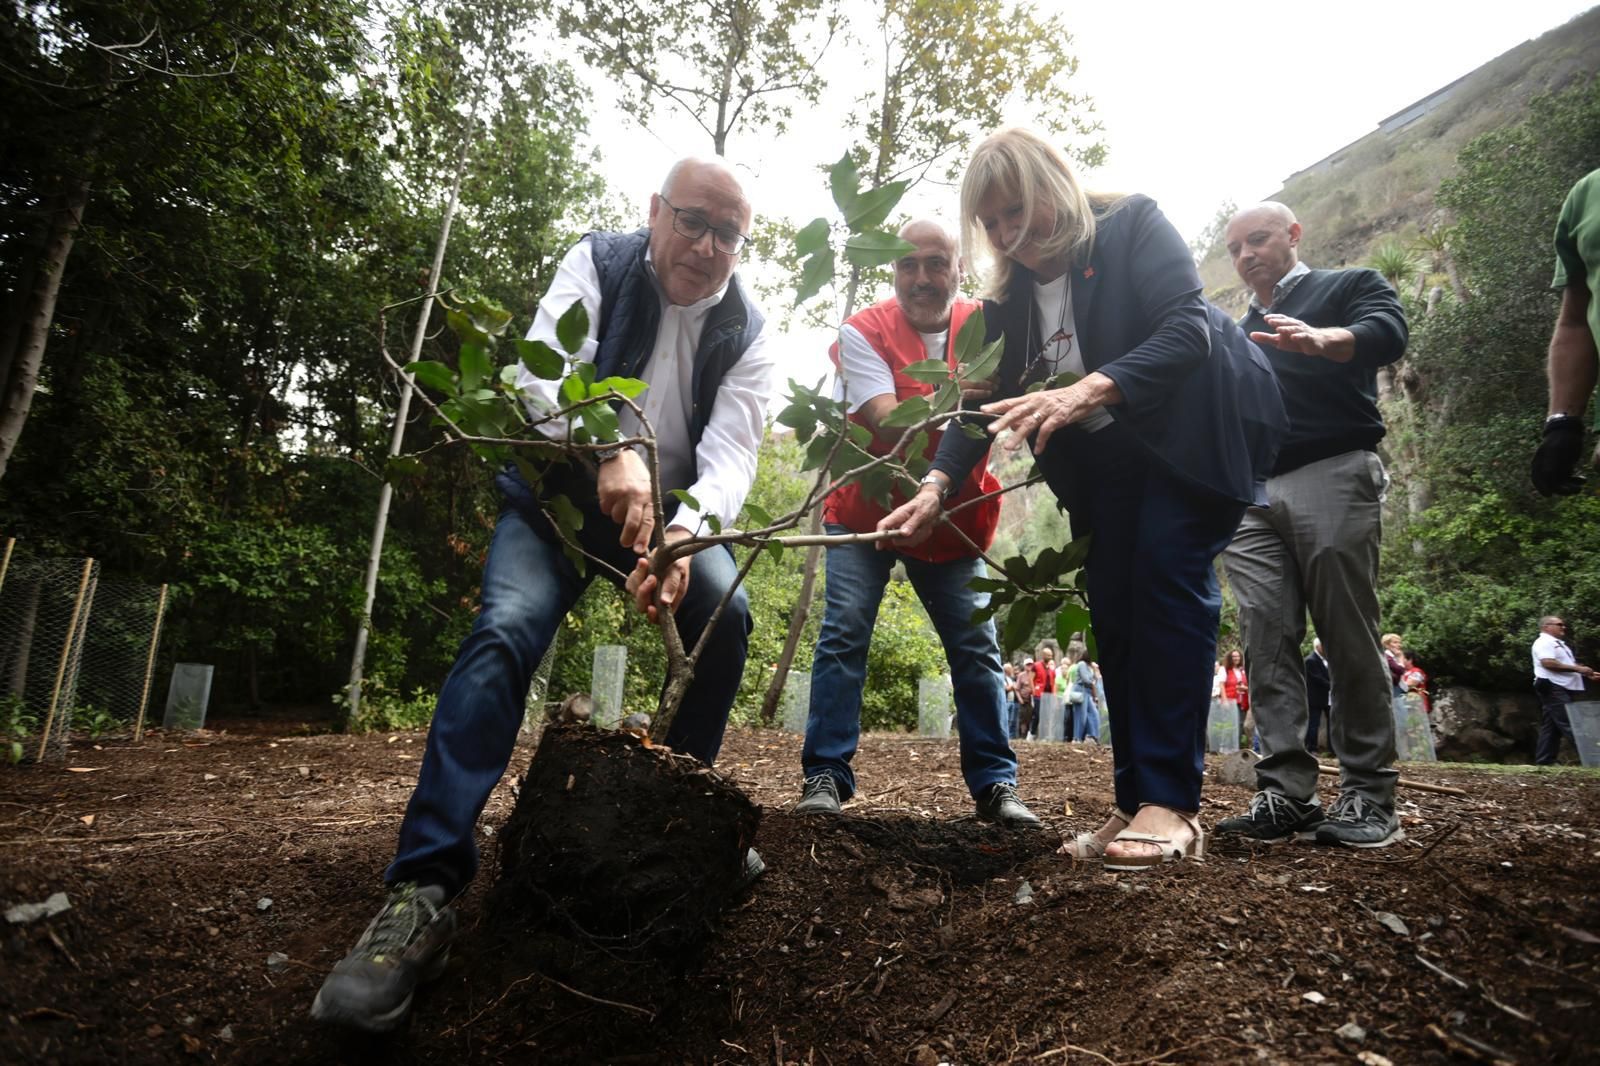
point(754, 867)
point(819, 795)
point(1357, 822)
point(407, 943)
point(1272, 817)
point(999, 803)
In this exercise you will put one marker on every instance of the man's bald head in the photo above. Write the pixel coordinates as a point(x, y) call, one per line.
point(702, 197)
point(1263, 242)
point(927, 278)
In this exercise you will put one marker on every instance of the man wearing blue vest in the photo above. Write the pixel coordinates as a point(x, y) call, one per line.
point(664, 306)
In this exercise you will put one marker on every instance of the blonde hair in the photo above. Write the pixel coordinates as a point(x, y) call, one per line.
point(1023, 164)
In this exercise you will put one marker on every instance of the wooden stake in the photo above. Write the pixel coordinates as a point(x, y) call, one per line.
point(5, 560)
point(66, 652)
point(150, 665)
point(1405, 782)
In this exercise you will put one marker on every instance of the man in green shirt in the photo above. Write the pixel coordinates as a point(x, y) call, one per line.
point(1575, 345)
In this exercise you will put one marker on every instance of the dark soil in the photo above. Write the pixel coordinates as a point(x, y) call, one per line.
point(892, 935)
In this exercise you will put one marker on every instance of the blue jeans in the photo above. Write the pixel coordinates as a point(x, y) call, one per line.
point(1085, 719)
point(857, 575)
point(529, 585)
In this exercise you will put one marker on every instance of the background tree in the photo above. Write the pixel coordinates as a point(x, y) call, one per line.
point(1491, 556)
point(725, 64)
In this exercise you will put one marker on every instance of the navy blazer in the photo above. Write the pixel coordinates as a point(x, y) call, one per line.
point(1198, 395)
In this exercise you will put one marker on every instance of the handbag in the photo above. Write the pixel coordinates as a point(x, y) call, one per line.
point(1075, 691)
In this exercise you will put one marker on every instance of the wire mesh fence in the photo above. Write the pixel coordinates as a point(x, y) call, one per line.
point(77, 652)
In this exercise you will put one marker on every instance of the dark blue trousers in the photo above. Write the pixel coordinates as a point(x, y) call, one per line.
point(529, 585)
point(1155, 606)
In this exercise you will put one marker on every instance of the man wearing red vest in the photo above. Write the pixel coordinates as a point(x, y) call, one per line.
point(875, 346)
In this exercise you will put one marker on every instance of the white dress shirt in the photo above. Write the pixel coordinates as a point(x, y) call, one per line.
point(719, 472)
point(1547, 647)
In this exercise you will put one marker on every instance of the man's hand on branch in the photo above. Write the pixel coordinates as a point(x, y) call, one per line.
point(1292, 335)
point(643, 583)
point(975, 392)
point(915, 519)
point(624, 489)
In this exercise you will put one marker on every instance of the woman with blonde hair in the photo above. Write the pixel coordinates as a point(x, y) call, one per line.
point(1155, 422)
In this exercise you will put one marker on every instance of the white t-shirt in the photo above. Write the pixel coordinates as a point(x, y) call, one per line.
point(1061, 353)
point(864, 373)
point(1547, 647)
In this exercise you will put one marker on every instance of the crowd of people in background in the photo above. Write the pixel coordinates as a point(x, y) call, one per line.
point(1076, 683)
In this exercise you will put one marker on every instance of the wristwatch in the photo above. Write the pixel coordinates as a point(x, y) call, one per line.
point(943, 487)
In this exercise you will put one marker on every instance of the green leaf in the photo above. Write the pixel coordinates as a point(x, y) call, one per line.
point(568, 518)
point(976, 432)
point(684, 498)
point(985, 364)
point(463, 327)
point(714, 522)
point(875, 248)
point(774, 551)
point(970, 339)
point(474, 360)
point(629, 387)
point(601, 421)
point(987, 584)
point(871, 208)
point(861, 435)
point(844, 182)
point(812, 239)
point(435, 375)
point(928, 371)
point(402, 466)
point(574, 388)
point(817, 272)
point(572, 329)
point(488, 318)
point(541, 360)
point(946, 399)
point(907, 412)
point(1072, 618)
point(758, 514)
point(1019, 624)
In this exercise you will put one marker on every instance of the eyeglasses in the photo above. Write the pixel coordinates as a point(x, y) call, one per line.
point(693, 225)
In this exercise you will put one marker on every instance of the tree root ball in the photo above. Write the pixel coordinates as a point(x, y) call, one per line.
point(631, 849)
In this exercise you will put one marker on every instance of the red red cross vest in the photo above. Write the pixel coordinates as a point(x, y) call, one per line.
point(899, 345)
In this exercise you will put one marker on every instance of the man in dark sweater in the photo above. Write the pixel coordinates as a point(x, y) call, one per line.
point(1315, 546)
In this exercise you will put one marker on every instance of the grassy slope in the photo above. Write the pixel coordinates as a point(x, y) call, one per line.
point(1383, 186)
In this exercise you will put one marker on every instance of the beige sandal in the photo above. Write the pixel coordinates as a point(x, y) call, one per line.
point(1087, 846)
point(1168, 851)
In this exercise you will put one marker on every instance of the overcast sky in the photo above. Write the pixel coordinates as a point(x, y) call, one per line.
point(1202, 102)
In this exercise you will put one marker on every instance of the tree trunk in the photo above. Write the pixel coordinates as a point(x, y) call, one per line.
point(38, 311)
point(797, 626)
point(17, 677)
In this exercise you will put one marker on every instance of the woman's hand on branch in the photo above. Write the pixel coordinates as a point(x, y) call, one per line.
point(624, 488)
point(915, 519)
point(1040, 414)
point(653, 592)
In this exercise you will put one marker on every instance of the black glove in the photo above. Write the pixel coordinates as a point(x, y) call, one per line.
point(1554, 464)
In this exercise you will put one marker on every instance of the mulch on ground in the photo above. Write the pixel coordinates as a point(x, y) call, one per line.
point(215, 878)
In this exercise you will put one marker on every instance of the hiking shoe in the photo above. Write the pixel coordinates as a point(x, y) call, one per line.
point(1272, 817)
point(819, 795)
point(999, 803)
point(407, 943)
point(1357, 822)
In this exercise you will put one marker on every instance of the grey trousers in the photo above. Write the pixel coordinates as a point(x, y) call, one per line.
point(1315, 546)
